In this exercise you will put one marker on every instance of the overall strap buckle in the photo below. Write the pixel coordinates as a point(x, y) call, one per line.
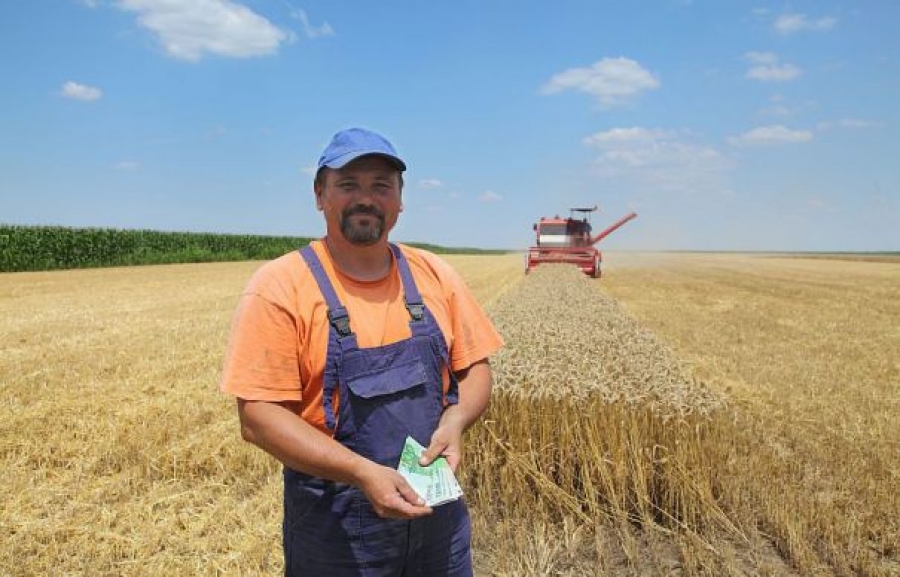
point(340, 320)
point(416, 310)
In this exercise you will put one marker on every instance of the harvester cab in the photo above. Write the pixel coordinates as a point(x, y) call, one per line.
point(565, 232)
point(569, 240)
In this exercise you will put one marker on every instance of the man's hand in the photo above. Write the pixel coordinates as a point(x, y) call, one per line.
point(474, 393)
point(277, 429)
point(390, 494)
point(447, 442)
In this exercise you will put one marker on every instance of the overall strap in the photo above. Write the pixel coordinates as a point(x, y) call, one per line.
point(340, 332)
point(420, 316)
point(411, 297)
point(337, 313)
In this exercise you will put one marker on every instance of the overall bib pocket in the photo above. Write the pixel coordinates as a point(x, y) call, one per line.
point(378, 405)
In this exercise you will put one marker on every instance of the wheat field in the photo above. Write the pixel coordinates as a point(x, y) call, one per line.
point(686, 414)
point(807, 351)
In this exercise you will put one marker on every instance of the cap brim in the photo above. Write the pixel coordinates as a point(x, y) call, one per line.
point(345, 159)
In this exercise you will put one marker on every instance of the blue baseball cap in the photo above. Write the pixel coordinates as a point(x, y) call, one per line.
point(348, 145)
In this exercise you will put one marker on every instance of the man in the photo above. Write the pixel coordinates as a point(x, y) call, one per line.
point(339, 352)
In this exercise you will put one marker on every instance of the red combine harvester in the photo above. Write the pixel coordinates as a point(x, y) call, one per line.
point(569, 240)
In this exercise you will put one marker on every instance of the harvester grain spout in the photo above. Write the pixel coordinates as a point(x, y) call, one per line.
point(613, 227)
point(569, 240)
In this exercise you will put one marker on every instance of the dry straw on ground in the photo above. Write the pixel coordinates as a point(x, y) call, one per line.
point(774, 450)
point(120, 456)
point(568, 341)
point(595, 423)
point(807, 351)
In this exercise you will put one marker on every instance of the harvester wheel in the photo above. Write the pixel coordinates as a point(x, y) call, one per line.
point(596, 268)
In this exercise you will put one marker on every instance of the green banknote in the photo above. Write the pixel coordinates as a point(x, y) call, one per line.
point(435, 483)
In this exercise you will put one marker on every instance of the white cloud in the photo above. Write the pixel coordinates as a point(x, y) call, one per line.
point(90, 3)
point(658, 160)
point(777, 110)
point(767, 67)
point(782, 107)
point(128, 165)
point(489, 196)
point(761, 57)
point(216, 132)
point(309, 170)
point(189, 29)
point(621, 135)
point(856, 123)
point(430, 183)
point(611, 80)
point(80, 91)
point(780, 72)
point(846, 123)
point(819, 205)
point(312, 31)
point(791, 23)
point(774, 133)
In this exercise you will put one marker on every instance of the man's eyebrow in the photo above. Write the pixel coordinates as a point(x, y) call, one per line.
point(382, 176)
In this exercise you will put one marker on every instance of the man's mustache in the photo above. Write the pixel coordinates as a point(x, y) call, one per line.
point(362, 209)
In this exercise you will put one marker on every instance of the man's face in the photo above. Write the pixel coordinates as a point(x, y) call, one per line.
point(362, 200)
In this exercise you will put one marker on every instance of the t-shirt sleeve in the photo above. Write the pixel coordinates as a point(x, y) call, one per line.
point(262, 359)
point(474, 335)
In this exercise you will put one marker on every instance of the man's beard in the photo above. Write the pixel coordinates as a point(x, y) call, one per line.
point(362, 235)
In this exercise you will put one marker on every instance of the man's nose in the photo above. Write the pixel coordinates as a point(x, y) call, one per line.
point(364, 194)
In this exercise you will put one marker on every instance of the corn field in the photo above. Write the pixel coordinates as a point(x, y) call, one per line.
point(36, 248)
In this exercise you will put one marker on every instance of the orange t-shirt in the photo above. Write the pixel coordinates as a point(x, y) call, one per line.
point(279, 336)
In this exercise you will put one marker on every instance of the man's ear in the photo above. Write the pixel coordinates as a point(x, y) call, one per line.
point(318, 195)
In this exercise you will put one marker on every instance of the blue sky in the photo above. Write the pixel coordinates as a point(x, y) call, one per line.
point(731, 125)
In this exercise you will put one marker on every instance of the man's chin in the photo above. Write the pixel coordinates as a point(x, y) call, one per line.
point(363, 238)
point(364, 242)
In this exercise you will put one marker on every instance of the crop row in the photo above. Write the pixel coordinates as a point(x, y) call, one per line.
point(568, 340)
point(593, 419)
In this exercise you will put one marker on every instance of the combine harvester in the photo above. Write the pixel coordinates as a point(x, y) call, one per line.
point(569, 240)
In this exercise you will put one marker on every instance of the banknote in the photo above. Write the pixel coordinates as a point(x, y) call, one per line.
point(435, 483)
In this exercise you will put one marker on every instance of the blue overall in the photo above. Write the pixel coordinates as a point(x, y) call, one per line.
point(385, 393)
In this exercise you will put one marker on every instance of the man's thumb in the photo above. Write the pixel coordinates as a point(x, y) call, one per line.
point(410, 496)
point(430, 454)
